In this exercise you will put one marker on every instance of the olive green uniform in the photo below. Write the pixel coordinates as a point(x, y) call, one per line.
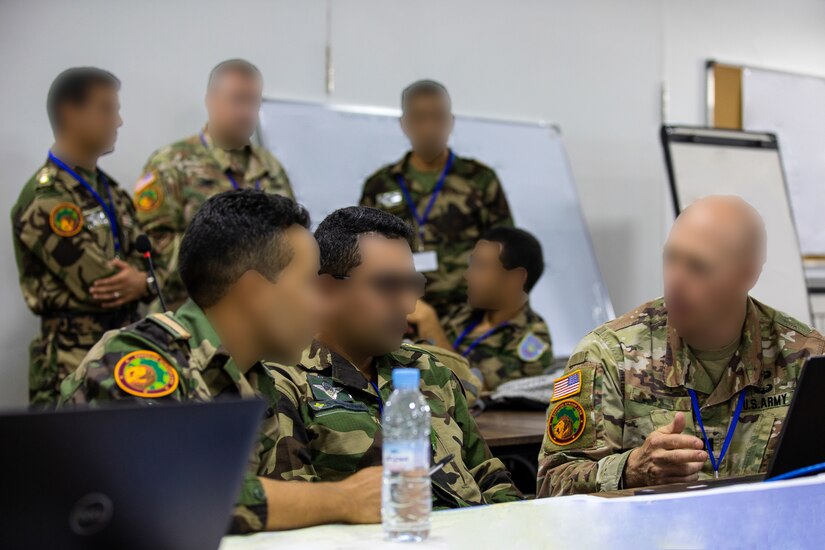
point(63, 243)
point(179, 178)
point(631, 376)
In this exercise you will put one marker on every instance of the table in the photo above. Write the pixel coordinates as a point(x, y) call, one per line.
point(515, 438)
point(781, 514)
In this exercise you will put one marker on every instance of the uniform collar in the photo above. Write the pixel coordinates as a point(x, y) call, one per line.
point(205, 339)
point(257, 167)
point(400, 167)
point(748, 366)
point(319, 358)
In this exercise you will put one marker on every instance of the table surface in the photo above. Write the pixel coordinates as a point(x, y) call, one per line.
point(503, 428)
point(782, 514)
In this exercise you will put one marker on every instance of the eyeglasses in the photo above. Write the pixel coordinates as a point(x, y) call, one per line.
point(392, 285)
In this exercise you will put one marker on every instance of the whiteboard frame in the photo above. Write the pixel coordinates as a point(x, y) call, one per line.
point(703, 135)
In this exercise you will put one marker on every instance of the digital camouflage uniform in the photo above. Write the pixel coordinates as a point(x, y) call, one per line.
point(520, 348)
point(63, 243)
point(179, 357)
point(471, 202)
point(635, 372)
point(330, 425)
point(179, 178)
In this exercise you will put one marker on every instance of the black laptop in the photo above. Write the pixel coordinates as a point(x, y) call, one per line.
point(800, 442)
point(164, 476)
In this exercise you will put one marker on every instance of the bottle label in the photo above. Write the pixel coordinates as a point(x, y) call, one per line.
point(402, 456)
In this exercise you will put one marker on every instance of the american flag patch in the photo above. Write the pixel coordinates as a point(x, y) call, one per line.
point(567, 386)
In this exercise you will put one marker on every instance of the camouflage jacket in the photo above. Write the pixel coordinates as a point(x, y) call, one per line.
point(178, 179)
point(178, 357)
point(330, 425)
point(63, 242)
point(471, 202)
point(520, 348)
point(631, 376)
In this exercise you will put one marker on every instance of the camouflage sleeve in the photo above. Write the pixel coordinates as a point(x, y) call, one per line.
point(159, 204)
point(78, 260)
point(492, 476)
point(586, 456)
point(497, 208)
point(250, 512)
point(293, 459)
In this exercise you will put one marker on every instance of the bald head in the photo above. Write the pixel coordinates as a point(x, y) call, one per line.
point(713, 257)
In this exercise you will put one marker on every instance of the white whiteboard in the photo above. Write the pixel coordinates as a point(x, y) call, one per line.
point(705, 162)
point(329, 151)
point(793, 107)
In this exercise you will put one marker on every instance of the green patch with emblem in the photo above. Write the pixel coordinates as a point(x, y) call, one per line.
point(327, 394)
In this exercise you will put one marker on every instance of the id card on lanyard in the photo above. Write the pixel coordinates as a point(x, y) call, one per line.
point(108, 207)
point(228, 172)
point(425, 260)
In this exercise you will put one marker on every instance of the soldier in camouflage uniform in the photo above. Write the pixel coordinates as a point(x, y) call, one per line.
point(74, 231)
point(623, 414)
point(450, 200)
point(262, 304)
point(178, 178)
point(497, 330)
point(330, 404)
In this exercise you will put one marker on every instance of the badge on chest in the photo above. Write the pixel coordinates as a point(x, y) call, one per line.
point(391, 200)
point(328, 394)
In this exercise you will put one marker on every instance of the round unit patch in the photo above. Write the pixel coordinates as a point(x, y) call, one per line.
point(144, 373)
point(566, 423)
point(149, 198)
point(66, 219)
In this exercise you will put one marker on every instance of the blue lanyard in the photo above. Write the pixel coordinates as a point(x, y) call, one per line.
point(478, 340)
point(421, 219)
point(732, 428)
point(108, 208)
point(228, 171)
point(380, 401)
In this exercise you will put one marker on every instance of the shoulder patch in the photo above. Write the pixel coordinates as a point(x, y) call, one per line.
point(566, 423)
point(144, 373)
point(148, 179)
point(170, 325)
point(531, 347)
point(66, 219)
point(149, 197)
point(567, 385)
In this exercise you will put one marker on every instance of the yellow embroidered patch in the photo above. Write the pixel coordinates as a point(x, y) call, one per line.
point(566, 423)
point(66, 219)
point(144, 373)
point(149, 198)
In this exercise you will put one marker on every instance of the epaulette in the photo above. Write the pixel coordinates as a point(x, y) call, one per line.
point(46, 175)
point(793, 324)
point(170, 325)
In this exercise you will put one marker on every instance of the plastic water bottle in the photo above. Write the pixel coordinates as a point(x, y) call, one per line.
point(406, 498)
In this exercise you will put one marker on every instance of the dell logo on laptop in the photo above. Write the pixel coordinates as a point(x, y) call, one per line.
point(90, 514)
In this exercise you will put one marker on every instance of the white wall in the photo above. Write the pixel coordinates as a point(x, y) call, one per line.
point(594, 67)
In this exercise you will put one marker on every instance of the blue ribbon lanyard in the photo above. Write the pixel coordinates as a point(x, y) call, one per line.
point(732, 428)
point(380, 401)
point(421, 219)
point(228, 171)
point(478, 340)
point(108, 208)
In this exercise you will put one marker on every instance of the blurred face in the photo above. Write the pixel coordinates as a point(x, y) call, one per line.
point(488, 282)
point(93, 123)
point(233, 101)
point(286, 312)
point(427, 122)
point(705, 275)
point(368, 311)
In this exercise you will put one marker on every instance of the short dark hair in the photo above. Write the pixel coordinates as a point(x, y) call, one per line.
point(338, 234)
point(232, 233)
point(235, 65)
point(421, 88)
point(518, 249)
point(73, 86)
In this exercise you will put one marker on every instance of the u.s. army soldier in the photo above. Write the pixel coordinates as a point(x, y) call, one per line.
point(450, 200)
point(330, 404)
point(250, 267)
point(650, 397)
point(178, 178)
point(74, 234)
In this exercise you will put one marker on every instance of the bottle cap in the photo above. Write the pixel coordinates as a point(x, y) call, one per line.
point(405, 379)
